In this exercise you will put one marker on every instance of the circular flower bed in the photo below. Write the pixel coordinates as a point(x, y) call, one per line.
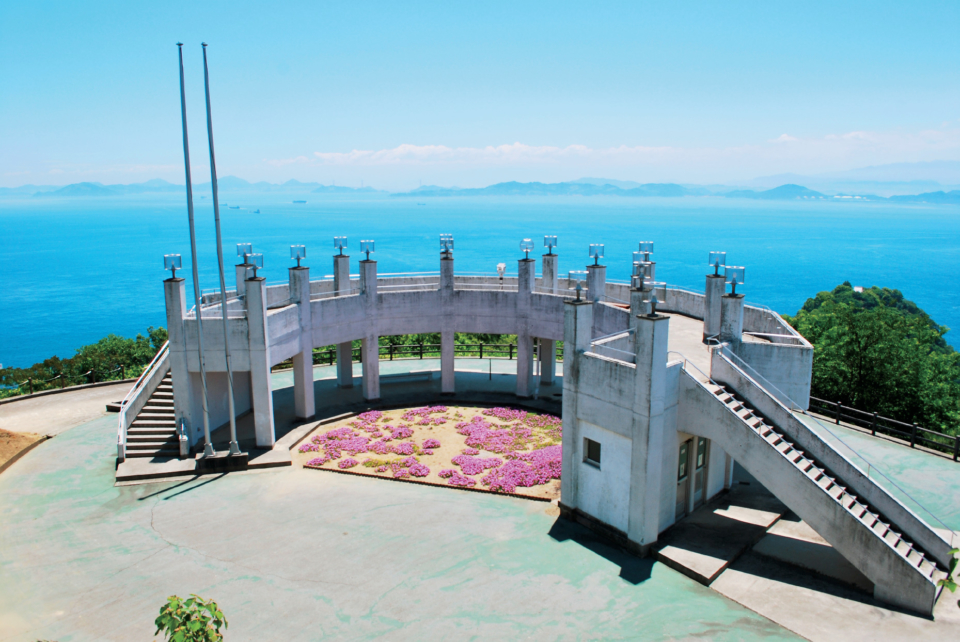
point(496, 449)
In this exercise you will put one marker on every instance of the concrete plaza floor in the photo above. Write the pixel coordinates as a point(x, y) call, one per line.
point(300, 554)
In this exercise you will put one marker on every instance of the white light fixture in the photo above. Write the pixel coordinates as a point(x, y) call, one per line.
point(716, 260)
point(172, 262)
point(549, 242)
point(446, 243)
point(646, 248)
point(596, 252)
point(244, 250)
point(367, 246)
point(339, 242)
point(298, 252)
point(526, 245)
point(734, 275)
point(501, 269)
point(256, 262)
point(653, 305)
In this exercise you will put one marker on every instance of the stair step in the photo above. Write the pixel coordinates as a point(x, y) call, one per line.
point(162, 395)
point(140, 430)
point(169, 453)
point(154, 423)
point(166, 411)
point(155, 416)
point(152, 439)
point(149, 445)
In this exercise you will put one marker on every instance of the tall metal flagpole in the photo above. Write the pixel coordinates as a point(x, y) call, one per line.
point(208, 447)
point(234, 446)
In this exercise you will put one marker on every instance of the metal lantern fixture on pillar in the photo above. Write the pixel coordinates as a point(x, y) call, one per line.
point(734, 275)
point(256, 262)
point(526, 245)
point(298, 252)
point(446, 243)
point(550, 242)
point(339, 242)
point(172, 262)
point(596, 252)
point(717, 259)
point(367, 246)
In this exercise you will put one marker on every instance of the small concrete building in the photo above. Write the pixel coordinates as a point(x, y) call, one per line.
point(663, 389)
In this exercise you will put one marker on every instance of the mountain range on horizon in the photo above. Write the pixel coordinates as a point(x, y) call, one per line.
point(902, 182)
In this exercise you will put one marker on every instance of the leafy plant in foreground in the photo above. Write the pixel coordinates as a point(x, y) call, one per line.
point(190, 620)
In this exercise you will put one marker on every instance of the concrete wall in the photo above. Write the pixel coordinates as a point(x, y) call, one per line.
point(604, 491)
point(789, 368)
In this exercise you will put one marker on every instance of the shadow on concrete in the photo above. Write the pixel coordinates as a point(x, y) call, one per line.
point(187, 490)
point(752, 563)
point(633, 569)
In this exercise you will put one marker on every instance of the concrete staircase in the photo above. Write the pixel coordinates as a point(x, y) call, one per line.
point(154, 431)
point(903, 574)
point(831, 486)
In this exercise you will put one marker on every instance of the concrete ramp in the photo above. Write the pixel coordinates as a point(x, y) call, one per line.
point(902, 572)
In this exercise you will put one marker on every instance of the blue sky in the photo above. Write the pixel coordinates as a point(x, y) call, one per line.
point(470, 93)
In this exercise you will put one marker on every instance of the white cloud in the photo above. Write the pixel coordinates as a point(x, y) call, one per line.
point(784, 153)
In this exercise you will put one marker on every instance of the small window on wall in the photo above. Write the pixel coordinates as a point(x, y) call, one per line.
point(591, 452)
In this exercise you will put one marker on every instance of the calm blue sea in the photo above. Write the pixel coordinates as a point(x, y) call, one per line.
point(76, 270)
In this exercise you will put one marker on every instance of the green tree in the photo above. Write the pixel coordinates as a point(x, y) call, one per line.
point(190, 620)
point(878, 352)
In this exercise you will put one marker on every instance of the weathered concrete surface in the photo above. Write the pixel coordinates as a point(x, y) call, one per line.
point(703, 544)
point(794, 542)
point(820, 609)
point(296, 555)
point(52, 414)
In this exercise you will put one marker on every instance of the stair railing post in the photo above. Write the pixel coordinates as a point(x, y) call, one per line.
point(873, 427)
point(30, 381)
point(421, 349)
point(838, 412)
point(913, 436)
point(481, 351)
point(511, 351)
point(61, 380)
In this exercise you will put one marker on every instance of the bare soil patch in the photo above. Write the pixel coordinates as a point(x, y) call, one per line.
point(14, 443)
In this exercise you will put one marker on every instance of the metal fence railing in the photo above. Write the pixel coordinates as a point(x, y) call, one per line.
point(429, 351)
point(875, 423)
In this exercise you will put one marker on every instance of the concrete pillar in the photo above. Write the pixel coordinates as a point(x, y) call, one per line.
point(731, 318)
point(261, 394)
point(304, 403)
point(176, 303)
point(241, 269)
point(577, 333)
point(548, 362)
point(525, 281)
point(341, 285)
point(447, 330)
point(648, 427)
point(548, 347)
point(550, 273)
point(711, 305)
point(596, 282)
point(371, 338)
point(639, 303)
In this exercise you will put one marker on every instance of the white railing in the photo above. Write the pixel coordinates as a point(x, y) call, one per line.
point(602, 347)
point(138, 395)
point(317, 296)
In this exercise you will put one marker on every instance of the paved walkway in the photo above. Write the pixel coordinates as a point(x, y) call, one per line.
point(52, 414)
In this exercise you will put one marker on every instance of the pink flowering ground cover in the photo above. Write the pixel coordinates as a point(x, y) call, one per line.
point(494, 449)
